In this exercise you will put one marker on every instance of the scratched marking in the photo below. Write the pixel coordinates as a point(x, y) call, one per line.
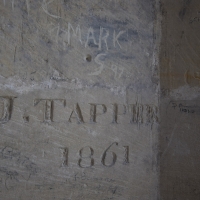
point(97, 37)
point(187, 107)
point(28, 6)
point(9, 154)
point(101, 67)
point(192, 77)
point(45, 9)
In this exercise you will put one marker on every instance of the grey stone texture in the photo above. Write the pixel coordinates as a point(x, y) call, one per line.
point(79, 100)
point(179, 102)
point(99, 99)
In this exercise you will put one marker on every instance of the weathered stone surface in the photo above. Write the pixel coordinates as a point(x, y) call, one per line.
point(179, 66)
point(79, 99)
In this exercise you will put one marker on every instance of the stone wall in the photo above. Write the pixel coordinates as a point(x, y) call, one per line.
point(79, 99)
point(99, 99)
point(180, 105)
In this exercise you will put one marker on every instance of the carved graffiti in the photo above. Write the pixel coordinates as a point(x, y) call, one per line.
point(86, 157)
point(137, 113)
point(7, 109)
point(86, 154)
point(103, 160)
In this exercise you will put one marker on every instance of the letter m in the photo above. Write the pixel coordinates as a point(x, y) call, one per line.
point(76, 32)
